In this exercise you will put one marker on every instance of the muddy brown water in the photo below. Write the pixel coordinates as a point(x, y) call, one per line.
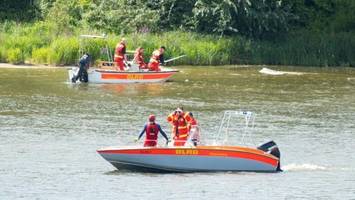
point(50, 129)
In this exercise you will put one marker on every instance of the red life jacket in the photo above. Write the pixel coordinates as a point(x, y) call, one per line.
point(193, 122)
point(152, 131)
point(155, 57)
point(138, 58)
point(179, 124)
point(120, 50)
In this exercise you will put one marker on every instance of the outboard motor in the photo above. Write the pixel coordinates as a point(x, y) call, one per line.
point(271, 148)
point(73, 72)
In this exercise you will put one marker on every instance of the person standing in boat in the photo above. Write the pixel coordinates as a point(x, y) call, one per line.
point(179, 122)
point(120, 55)
point(152, 129)
point(84, 63)
point(139, 59)
point(156, 59)
point(194, 130)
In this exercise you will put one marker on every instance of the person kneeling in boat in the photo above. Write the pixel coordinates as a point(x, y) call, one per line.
point(120, 55)
point(139, 59)
point(84, 64)
point(194, 130)
point(179, 122)
point(152, 129)
point(156, 59)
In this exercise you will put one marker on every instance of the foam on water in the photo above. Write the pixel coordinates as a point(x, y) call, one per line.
point(268, 71)
point(303, 167)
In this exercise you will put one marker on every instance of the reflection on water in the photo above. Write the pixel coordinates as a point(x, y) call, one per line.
point(50, 129)
point(134, 89)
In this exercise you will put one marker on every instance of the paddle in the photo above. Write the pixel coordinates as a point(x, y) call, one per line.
point(172, 59)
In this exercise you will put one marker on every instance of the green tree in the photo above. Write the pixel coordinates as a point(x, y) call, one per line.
point(173, 14)
point(18, 10)
point(247, 17)
point(66, 15)
point(122, 16)
point(344, 18)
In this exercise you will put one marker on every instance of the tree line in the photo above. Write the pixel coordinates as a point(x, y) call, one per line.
point(257, 19)
point(209, 32)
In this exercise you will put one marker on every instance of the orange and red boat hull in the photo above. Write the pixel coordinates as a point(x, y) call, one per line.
point(191, 159)
point(110, 76)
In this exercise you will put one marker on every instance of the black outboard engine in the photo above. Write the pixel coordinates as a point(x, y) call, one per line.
point(271, 148)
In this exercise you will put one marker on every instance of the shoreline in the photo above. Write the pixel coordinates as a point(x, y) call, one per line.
point(41, 66)
point(290, 67)
point(33, 66)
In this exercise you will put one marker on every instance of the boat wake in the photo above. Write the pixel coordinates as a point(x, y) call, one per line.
point(303, 167)
point(268, 71)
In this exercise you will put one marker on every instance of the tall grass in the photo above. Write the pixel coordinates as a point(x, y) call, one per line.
point(40, 55)
point(15, 56)
point(38, 43)
point(307, 48)
point(63, 51)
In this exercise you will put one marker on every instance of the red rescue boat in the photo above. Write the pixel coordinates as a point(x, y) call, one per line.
point(113, 76)
point(192, 159)
point(264, 158)
point(106, 72)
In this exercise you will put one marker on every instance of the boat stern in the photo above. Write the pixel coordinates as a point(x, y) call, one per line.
point(272, 148)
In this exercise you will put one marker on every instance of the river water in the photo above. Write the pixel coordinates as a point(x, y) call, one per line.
point(49, 131)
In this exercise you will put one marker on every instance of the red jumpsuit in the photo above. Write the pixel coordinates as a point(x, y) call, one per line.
point(119, 55)
point(138, 58)
point(194, 131)
point(180, 130)
point(154, 61)
point(192, 122)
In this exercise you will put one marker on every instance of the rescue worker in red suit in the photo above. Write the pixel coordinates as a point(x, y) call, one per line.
point(120, 55)
point(152, 129)
point(156, 59)
point(179, 121)
point(194, 130)
point(139, 59)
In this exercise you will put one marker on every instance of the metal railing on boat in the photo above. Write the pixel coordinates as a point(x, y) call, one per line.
point(222, 136)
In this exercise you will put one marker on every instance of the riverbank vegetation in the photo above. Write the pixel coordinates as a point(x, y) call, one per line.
point(209, 32)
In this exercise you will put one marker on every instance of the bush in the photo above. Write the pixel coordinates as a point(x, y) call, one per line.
point(64, 51)
point(40, 56)
point(2, 54)
point(25, 37)
point(39, 44)
point(25, 43)
point(306, 48)
point(15, 56)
